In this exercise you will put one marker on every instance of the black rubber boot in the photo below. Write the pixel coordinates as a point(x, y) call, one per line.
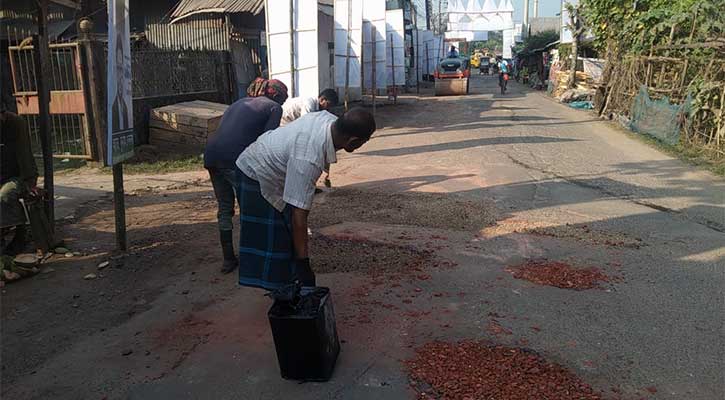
point(230, 260)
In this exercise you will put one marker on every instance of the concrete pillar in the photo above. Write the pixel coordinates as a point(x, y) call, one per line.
point(525, 28)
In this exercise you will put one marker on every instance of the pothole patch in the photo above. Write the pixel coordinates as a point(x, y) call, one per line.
point(331, 254)
point(476, 370)
point(431, 210)
point(559, 274)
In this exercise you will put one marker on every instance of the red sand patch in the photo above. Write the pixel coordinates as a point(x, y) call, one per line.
point(473, 370)
point(559, 274)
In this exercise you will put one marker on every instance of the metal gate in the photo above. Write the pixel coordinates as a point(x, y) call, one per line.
point(68, 114)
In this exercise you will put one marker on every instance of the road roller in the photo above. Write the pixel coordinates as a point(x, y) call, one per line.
point(451, 77)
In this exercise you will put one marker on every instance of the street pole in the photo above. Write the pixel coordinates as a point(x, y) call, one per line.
point(373, 77)
point(347, 55)
point(119, 203)
point(43, 72)
point(293, 92)
point(525, 30)
point(392, 69)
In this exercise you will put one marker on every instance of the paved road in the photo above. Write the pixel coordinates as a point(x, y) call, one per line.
point(562, 186)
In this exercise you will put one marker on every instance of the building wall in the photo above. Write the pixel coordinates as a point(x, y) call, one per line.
point(541, 24)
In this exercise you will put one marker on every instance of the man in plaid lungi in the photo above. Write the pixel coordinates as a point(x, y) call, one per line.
point(276, 186)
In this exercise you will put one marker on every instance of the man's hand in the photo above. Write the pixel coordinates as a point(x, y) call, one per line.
point(304, 272)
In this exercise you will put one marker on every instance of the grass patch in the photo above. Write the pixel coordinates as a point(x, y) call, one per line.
point(687, 153)
point(191, 163)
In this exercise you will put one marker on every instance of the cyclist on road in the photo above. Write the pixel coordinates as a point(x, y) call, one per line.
point(503, 71)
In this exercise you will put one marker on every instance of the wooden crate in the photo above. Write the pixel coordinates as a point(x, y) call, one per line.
point(184, 127)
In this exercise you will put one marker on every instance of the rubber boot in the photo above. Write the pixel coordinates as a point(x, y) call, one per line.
point(230, 260)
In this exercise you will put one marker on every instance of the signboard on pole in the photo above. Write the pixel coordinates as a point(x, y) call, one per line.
point(374, 16)
point(292, 45)
point(120, 136)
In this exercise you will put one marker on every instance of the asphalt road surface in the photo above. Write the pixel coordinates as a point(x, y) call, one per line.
point(523, 178)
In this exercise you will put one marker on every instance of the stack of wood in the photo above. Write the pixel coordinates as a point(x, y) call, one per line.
point(184, 128)
point(562, 79)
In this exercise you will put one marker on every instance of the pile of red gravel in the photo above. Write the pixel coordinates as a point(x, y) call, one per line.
point(559, 274)
point(475, 371)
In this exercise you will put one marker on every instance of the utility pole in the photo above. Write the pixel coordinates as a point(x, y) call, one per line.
point(536, 8)
point(428, 11)
point(526, 19)
point(440, 18)
point(43, 72)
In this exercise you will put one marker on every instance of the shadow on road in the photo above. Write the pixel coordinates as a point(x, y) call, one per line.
point(465, 144)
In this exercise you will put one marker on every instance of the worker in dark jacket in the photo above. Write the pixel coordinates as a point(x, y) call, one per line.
point(18, 176)
point(242, 123)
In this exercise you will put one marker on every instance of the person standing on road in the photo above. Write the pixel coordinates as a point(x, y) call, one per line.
point(18, 177)
point(242, 123)
point(276, 189)
point(298, 106)
point(503, 71)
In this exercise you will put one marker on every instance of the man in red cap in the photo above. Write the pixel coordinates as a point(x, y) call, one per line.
point(242, 123)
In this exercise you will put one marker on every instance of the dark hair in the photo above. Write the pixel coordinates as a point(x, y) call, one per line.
point(357, 123)
point(331, 96)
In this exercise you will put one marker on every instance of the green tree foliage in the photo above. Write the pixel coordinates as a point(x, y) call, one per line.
point(638, 25)
point(538, 40)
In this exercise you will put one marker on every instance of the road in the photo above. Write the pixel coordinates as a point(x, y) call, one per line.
point(487, 181)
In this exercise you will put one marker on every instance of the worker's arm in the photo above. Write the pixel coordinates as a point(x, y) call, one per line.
point(299, 192)
point(300, 238)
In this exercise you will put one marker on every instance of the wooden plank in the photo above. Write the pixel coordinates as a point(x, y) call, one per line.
point(196, 113)
point(176, 137)
point(186, 129)
point(61, 102)
point(175, 148)
point(184, 118)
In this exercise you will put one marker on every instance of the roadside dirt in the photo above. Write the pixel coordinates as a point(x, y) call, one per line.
point(431, 210)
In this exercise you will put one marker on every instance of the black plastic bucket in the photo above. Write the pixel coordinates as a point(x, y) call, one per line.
point(305, 336)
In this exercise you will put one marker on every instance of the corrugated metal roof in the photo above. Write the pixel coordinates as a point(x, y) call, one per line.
point(186, 8)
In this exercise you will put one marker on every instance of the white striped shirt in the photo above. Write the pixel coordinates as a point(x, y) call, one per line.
point(298, 106)
point(288, 161)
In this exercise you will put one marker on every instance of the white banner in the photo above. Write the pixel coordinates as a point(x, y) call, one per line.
point(395, 47)
point(348, 45)
point(473, 18)
point(303, 33)
point(120, 136)
point(423, 52)
point(374, 16)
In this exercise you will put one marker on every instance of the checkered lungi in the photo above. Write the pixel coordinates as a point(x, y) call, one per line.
point(266, 254)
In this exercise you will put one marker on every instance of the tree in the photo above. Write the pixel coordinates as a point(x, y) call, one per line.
point(577, 27)
point(538, 40)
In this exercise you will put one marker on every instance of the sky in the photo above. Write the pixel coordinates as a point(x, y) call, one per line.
point(547, 8)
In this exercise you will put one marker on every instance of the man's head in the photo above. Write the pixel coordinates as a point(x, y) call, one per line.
point(353, 129)
point(328, 99)
point(276, 90)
